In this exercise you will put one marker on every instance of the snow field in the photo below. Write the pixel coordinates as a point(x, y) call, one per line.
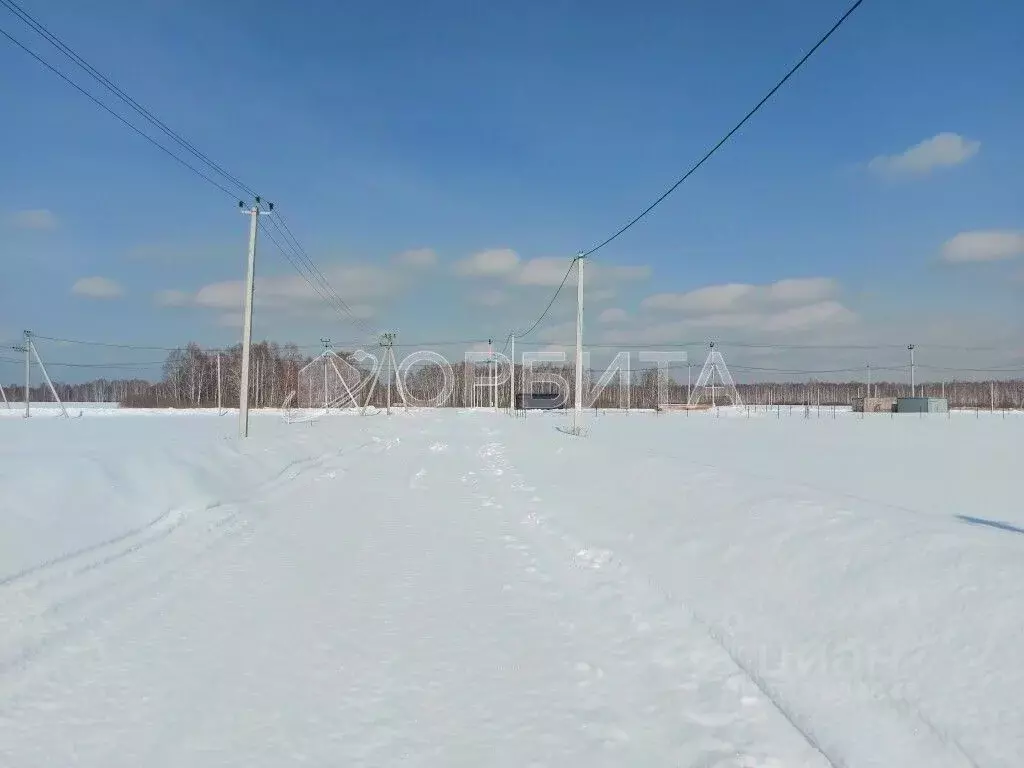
point(461, 588)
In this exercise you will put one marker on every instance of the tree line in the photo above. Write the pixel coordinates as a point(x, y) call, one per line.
point(193, 377)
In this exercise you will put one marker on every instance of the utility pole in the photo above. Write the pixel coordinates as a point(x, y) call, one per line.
point(220, 410)
point(243, 395)
point(327, 346)
point(492, 373)
point(512, 382)
point(713, 403)
point(28, 373)
point(689, 367)
point(869, 379)
point(387, 341)
point(30, 349)
point(578, 412)
point(910, 348)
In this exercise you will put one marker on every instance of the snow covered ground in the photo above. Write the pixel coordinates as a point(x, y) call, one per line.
point(449, 588)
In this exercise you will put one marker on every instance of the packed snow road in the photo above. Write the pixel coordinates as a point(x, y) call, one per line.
point(446, 588)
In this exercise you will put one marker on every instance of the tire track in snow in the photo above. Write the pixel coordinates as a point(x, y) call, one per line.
point(52, 611)
point(67, 566)
point(616, 583)
point(913, 738)
point(815, 496)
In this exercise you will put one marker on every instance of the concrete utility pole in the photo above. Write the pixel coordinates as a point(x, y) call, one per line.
point(28, 373)
point(492, 373)
point(714, 403)
point(220, 409)
point(869, 379)
point(910, 348)
point(243, 395)
point(578, 412)
point(327, 347)
point(388, 342)
point(512, 382)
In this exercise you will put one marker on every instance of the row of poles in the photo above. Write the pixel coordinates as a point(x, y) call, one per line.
point(254, 212)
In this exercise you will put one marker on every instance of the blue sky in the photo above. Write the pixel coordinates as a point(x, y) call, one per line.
point(474, 130)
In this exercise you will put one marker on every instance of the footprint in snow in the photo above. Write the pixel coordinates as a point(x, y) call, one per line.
point(594, 558)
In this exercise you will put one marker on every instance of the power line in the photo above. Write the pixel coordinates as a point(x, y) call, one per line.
point(107, 109)
point(623, 346)
point(812, 371)
point(729, 135)
point(970, 370)
point(105, 344)
point(120, 365)
point(329, 295)
point(694, 167)
point(292, 259)
point(652, 345)
point(50, 37)
point(547, 309)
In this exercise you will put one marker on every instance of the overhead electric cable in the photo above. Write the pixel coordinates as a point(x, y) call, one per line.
point(793, 70)
point(181, 141)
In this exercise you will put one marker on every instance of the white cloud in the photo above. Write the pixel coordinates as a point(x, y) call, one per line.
point(796, 290)
point(809, 316)
point(494, 262)
point(983, 245)
point(420, 258)
point(802, 319)
point(713, 298)
point(294, 292)
point(941, 150)
point(220, 295)
point(545, 272)
point(37, 218)
point(613, 315)
point(489, 298)
point(358, 285)
point(786, 306)
point(97, 288)
point(744, 297)
point(549, 272)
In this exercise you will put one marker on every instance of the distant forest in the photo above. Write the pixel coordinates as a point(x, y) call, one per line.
point(189, 380)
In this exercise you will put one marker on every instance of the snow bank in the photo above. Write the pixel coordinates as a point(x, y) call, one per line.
point(66, 485)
